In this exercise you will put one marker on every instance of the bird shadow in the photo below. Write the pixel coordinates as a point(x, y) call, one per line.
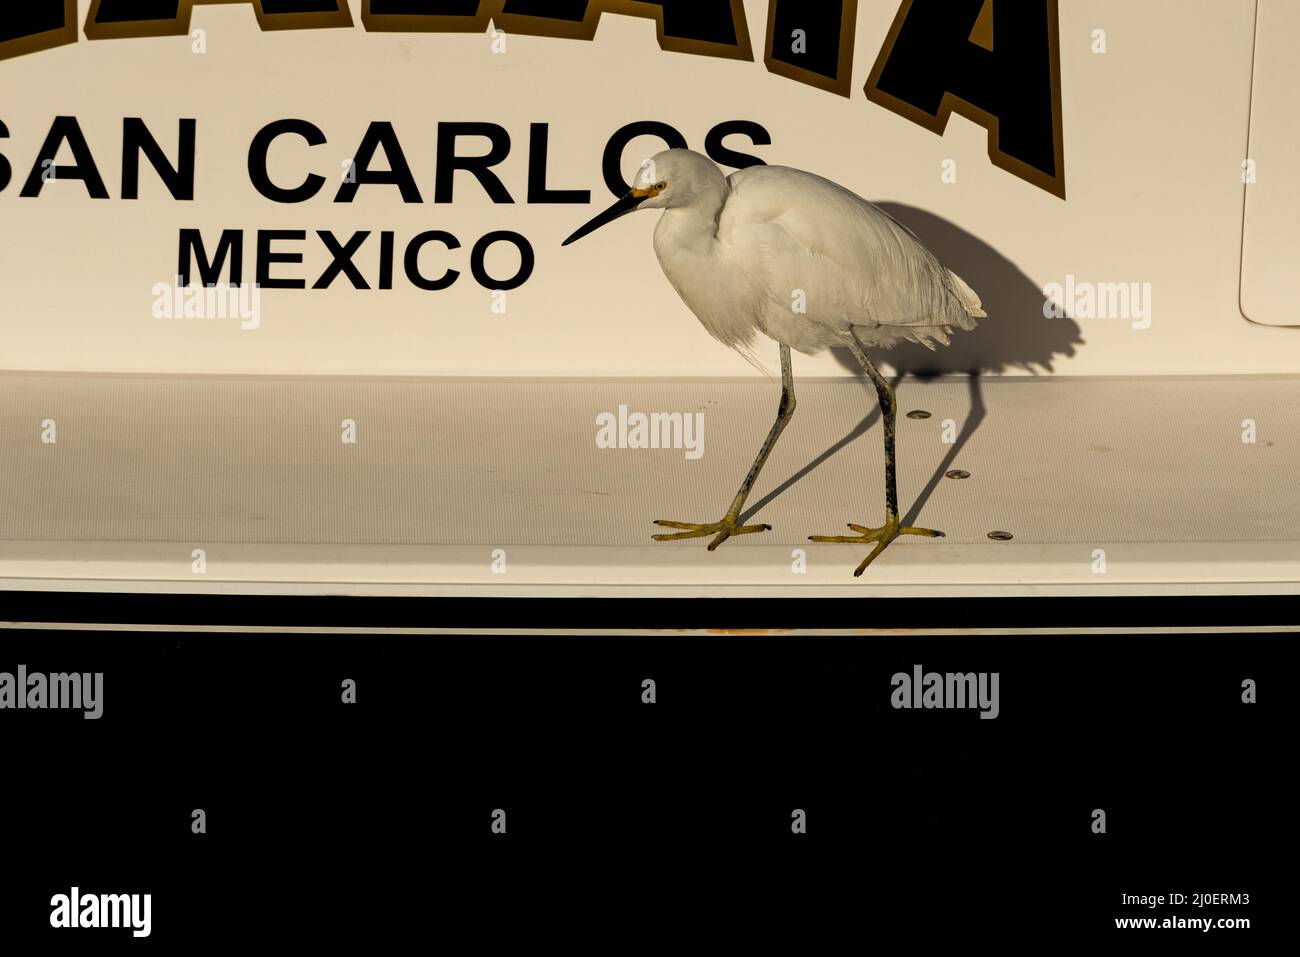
point(862, 428)
point(973, 419)
point(1015, 335)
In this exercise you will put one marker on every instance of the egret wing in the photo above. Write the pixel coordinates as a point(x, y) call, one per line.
point(855, 265)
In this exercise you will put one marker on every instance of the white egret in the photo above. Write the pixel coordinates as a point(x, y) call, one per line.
point(807, 263)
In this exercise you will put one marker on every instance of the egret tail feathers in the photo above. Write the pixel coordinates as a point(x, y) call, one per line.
point(969, 299)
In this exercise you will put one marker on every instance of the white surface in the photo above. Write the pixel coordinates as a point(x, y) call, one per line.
point(1271, 245)
point(1155, 130)
point(253, 471)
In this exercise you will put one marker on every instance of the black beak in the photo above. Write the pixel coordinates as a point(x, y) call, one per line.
point(624, 206)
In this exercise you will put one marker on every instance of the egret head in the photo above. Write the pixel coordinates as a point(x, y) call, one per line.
point(668, 180)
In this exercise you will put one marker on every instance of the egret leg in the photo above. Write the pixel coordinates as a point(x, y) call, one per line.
point(727, 527)
point(880, 538)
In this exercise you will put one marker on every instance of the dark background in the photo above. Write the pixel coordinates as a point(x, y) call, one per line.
point(328, 821)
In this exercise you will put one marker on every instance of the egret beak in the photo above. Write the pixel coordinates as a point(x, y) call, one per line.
point(626, 205)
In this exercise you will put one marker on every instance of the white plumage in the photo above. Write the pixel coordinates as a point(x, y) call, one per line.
point(807, 263)
point(747, 247)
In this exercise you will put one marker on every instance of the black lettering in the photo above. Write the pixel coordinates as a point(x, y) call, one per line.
point(440, 16)
point(230, 245)
point(137, 139)
point(399, 173)
point(413, 260)
point(706, 27)
point(109, 19)
point(257, 151)
point(997, 65)
point(612, 163)
point(386, 259)
point(65, 129)
point(480, 166)
point(342, 261)
point(6, 171)
point(538, 151)
point(812, 42)
point(526, 260)
point(29, 26)
point(266, 258)
point(716, 148)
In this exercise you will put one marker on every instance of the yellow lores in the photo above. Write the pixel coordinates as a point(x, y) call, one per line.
point(650, 192)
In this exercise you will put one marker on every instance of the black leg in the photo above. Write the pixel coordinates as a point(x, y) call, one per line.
point(727, 527)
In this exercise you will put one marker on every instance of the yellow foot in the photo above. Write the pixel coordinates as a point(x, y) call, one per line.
point(880, 536)
point(723, 529)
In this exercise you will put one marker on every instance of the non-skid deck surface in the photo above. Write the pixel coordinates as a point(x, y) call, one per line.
point(462, 462)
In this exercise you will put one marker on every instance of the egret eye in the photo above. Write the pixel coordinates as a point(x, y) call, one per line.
point(661, 185)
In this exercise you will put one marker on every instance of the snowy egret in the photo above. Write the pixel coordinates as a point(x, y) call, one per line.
point(807, 263)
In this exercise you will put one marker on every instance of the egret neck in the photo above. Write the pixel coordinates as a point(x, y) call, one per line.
point(697, 263)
